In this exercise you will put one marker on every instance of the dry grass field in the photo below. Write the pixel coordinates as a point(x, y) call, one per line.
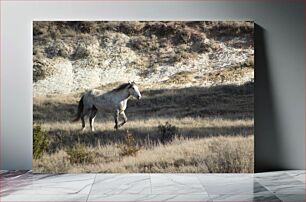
point(213, 154)
point(213, 133)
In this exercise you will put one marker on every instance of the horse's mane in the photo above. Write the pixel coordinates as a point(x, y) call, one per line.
point(122, 86)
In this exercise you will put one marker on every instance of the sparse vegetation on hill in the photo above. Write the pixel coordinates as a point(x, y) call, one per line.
point(141, 50)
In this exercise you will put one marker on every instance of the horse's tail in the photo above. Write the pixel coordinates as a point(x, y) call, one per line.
point(80, 109)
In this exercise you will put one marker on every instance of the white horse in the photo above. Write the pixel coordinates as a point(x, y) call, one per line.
point(114, 101)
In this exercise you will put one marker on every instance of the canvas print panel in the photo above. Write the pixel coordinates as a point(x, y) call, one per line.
point(143, 96)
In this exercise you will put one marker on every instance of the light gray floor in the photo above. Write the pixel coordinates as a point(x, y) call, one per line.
point(272, 186)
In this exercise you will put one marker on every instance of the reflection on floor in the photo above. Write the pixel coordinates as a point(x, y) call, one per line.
point(272, 186)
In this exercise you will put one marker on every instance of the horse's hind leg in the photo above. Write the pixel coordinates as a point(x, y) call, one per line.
point(92, 116)
point(124, 119)
point(83, 122)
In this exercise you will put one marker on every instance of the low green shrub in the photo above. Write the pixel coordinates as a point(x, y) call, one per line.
point(40, 141)
point(167, 132)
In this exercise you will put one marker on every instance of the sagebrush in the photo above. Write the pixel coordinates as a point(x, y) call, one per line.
point(167, 132)
point(129, 146)
point(40, 141)
point(79, 154)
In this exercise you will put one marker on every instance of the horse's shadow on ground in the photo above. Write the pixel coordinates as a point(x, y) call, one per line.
point(228, 101)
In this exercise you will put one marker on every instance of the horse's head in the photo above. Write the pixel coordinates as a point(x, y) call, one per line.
point(134, 91)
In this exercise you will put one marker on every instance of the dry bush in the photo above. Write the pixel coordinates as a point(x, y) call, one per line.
point(45, 68)
point(42, 68)
point(227, 30)
point(140, 43)
point(58, 49)
point(79, 154)
point(131, 28)
point(127, 27)
point(230, 157)
point(81, 52)
point(83, 27)
point(129, 146)
point(37, 31)
point(40, 28)
point(198, 45)
point(167, 132)
point(230, 28)
point(233, 73)
point(55, 34)
point(181, 78)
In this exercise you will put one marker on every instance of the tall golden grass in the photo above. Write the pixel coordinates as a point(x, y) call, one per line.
point(222, 154)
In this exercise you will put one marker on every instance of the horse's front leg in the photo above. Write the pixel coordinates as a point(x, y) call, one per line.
point(116, 116)
point(124, 119)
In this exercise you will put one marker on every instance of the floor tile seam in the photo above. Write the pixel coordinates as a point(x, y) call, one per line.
point(91, 187)
point(150, 175)
point(268, 189)
point(208, 194)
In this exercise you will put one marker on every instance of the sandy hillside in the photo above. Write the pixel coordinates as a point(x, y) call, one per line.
point(72, 56)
